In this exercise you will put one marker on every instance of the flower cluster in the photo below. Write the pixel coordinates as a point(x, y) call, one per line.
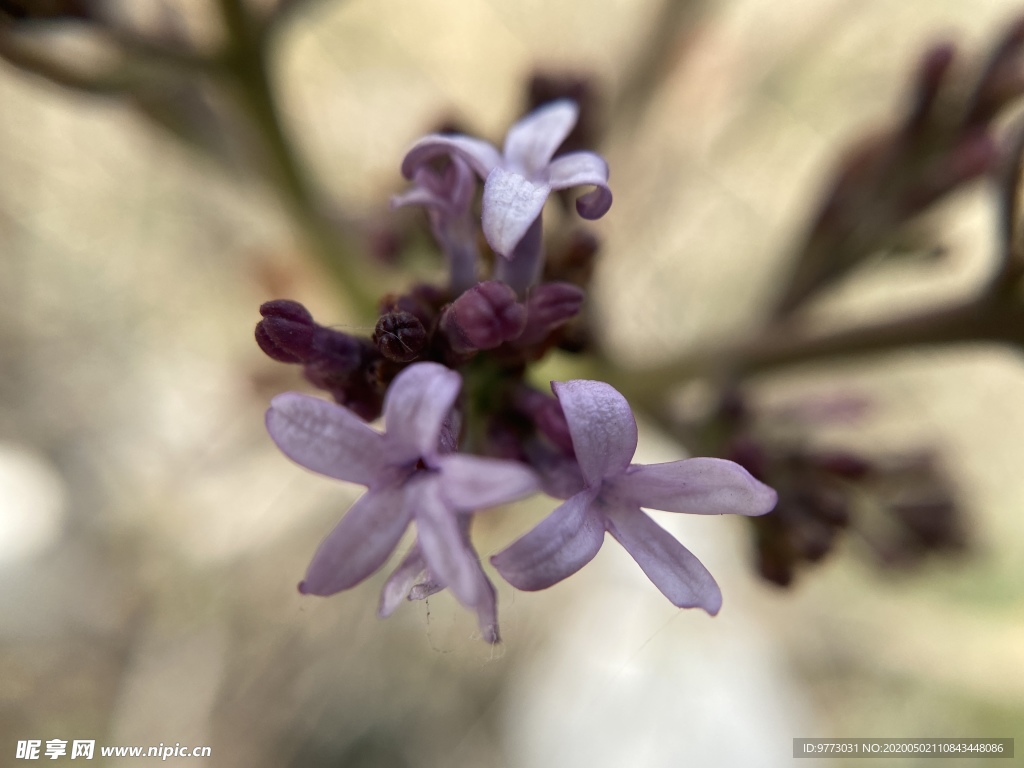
point(464, 431)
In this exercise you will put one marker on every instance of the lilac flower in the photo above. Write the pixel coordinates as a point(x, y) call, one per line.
point(408, 476)
point(519, 179)
point(448, 197)
point(604, 438)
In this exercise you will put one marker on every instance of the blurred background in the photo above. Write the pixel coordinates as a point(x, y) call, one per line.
point(151, 535)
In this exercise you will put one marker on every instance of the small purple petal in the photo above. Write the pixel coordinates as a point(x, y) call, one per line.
point(415, 408)
point(481, 156)
point(449, 193)
point(579, 169)
point(417, 196)
point(530, 143)
point(511, 203)
point(469, 483)
point(701, 486)
point(442, 541)
point(594, 204)
point(326, 438)
point(360, 544)
point(450, 557)
point(425, 589)
point(459, 184)
point(602, 426)
point(486, 610)
point(560, 545)
point(400, 583)
point(450, 433)
point(676, 571)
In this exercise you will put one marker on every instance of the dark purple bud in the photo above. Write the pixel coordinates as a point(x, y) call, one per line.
point(337, 352)
point(337, 366)
point(287, 309)
point(400, 336)
point(279, 343)
point(286, 331)
point(483, 317)
point(549, 306)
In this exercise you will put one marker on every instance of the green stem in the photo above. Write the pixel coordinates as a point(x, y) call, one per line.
point(246, 65)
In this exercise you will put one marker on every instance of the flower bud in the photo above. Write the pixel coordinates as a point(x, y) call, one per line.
point(336, 355)
point(286, 331)
point(400, 336)
point(288, 309)
point(549, 306)
point(483, 317)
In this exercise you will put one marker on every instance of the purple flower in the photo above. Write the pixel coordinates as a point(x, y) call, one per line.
point(604, 438)
point(408, 477)
point(448, 197)
point(519, 179)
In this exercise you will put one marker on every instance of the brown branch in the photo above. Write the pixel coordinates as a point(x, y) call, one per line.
point(29, 59)
point(976, 320)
